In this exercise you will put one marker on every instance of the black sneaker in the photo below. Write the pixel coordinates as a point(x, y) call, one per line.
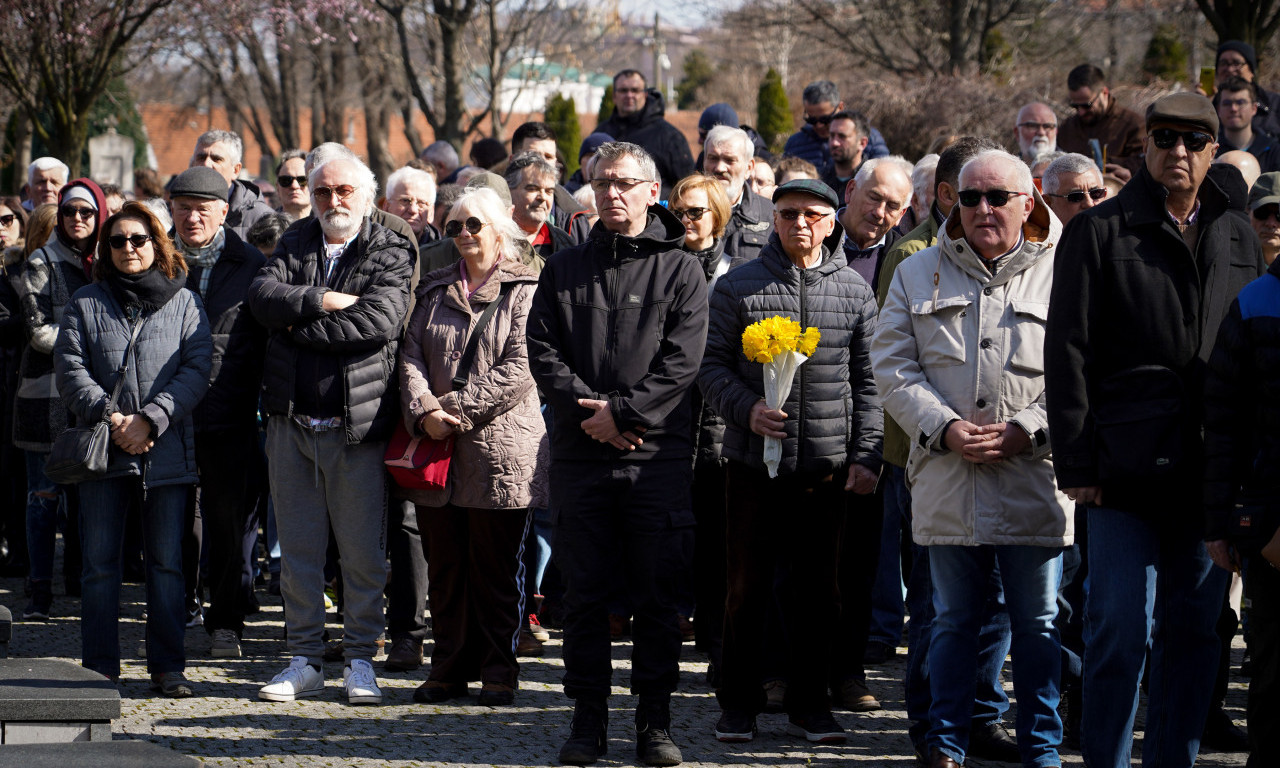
point(588, 735)
point(816, 727)
point(655, 747)
point(41, 604)
point(735, 726)
point(172, 684)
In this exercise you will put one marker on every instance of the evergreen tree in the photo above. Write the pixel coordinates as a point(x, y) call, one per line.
point(606, 105)
point(773, 113)
point(1166, 56)
point(562, 115)
point(697, 73)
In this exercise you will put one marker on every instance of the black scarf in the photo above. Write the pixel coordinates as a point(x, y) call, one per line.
point(710, 257)
point(147, 290)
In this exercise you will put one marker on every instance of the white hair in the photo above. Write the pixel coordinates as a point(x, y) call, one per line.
point(160, 208)
point(323, 153)
point(407, 173)
point(47, 164)
point(1070, 163)
point(486, 202)
point(232, 140)
point(922, 175)
point(728, 134)
point(365, 183)
point(442, 153)
point(1020, 177)
point(586, 197)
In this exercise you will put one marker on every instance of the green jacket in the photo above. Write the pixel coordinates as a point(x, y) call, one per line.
point(896, 443)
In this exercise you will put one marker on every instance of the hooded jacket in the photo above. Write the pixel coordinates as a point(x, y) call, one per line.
point(834, 416)
point(662, 140)
point(500, 452)
point(806, 144)
point(245, 206)
point(622, 319)
point(749, 227)
point(957, 342)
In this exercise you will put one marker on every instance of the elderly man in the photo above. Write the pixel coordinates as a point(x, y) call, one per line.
point(444, 157)
point(1145, 280)
point(45, 179)
point(830, 428)
point(222, 151)
point(822, 101)
point(1264, 209)
point(532, 181)
point(638, 118)
point(846, 142)
point(1099, 116)
point(411, 195)
point(220, 269)
point(565, 210)
point(334, 298)
point(615, 339)
point(1237, 104)
point(960, 366)
point(878, 196)
point(728, 156)
point(1072, 184)
point(1036, 130)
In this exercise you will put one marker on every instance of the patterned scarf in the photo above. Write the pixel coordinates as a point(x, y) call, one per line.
point(206, 256)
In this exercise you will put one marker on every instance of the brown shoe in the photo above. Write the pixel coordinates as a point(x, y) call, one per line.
point(496, 695)
point(436, 691)
point(853, 695)
point(940, 759)
point(405, 655)
point(528, 645)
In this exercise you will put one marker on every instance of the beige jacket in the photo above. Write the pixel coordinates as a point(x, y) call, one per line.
point(955, 342)
point(500, 452)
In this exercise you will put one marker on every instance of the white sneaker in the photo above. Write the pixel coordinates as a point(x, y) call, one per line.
point(362, 686)
point(297, 680)
point(224, 644)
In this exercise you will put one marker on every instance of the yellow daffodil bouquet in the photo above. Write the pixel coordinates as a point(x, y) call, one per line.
point(779, 343)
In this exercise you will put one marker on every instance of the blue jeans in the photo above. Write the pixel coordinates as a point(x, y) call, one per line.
point(42, 517)
point(104, 504)
point(1149, 587)
point(1030, 576)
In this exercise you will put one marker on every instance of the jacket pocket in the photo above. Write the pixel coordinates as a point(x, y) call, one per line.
point(1140, 424)
point(1026, 334)
point(940, 329)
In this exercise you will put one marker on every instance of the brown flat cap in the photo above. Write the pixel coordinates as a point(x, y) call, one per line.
point(1184, 108)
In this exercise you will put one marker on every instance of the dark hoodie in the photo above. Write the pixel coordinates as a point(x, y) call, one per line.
point(622, 319)
point(86, 252)
point(649, 129)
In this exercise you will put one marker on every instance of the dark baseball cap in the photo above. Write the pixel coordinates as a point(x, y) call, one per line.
point(811, 187)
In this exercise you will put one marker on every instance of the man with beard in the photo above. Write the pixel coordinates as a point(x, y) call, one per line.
point(822, 101)
point(333, 298)
point(1036, 130)
point(411, 195)
point(1099, 116)
point(532, 181)
point(729, 157)
point(847, 141)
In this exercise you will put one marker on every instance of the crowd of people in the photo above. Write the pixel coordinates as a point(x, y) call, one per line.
point(1038, 418)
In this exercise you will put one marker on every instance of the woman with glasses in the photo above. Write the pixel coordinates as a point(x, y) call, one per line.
point(51, 276)
point(136, 321)
point(479, 392)
point(291, 184)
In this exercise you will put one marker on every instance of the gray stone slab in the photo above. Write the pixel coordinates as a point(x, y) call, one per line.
point(99, 754)
point(51, 690)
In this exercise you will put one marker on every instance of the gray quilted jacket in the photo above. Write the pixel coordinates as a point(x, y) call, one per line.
point(168, 375)
point(500, 454)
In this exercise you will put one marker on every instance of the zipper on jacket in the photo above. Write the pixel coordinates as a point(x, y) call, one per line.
point(804, 323)
point(611, 319)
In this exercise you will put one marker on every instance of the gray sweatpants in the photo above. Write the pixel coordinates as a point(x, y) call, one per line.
point(318, 482)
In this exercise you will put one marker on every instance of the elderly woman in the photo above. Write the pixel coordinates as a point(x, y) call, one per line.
point(475, 527)
point(137, 321)
point(52, 274)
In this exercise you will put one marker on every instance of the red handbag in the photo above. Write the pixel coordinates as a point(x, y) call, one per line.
point(419, 463)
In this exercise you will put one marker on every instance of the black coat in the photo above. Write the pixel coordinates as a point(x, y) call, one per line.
point(286, 297)
point(749, 227)
point(1242, 408)
point(239, 340)
point(622, 319)
point(1132, 320)
point(649, 129)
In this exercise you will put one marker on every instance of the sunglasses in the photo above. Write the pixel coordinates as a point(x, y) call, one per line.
point(623, 185)
point(822, 120)
point(287, 181)
point(341, 192)
point(8, 218)
point(1166, 138)
point(970, 198)
point(1087, 104)
point(1078, 196)
point(694, 214)
point(75, 211)
point(812, 217)
point(1267, 212)
point(136, 240)
point(473, 225)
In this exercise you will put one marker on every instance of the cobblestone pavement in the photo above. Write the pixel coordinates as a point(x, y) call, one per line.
point(228, 725)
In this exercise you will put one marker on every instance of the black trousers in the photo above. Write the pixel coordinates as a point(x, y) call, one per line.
point(407, 588)
point(475, 577)
point(856, 577)
point(228, 513)
point(708, 559)
point(640, 510)
point(1262, 588)
point(787, 530)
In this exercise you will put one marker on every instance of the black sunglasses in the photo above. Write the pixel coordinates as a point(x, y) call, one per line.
point(75, 211)
point(473, 225)
point(1265, 212)
point(1166, 138)
point(287, 181)
point(823, 120)
point(137, 240)
point(1095, 194)
point(694, 214)
point(970, 198)
point(1084, 105)
point(8, 218)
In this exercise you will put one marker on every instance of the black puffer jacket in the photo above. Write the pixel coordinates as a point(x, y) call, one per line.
point(749, 227)
point(833, 411)
point(286, 297)
point(1134, 309)
point(621, 319)
point(239, 340)
point(662, 140)
point(1242, 408)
